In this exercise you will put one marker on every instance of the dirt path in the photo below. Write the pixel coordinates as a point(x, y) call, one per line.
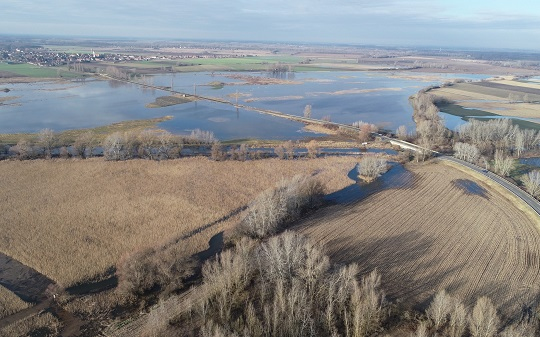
point(31, 286)
point(44, 305)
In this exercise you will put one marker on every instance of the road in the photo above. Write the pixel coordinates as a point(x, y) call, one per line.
point(533, 203)
point(527, 198)
point(297, 118)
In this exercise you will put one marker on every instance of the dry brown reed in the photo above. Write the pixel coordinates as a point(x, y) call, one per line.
point(73, 219)
point(10, 303)
point(26, 327)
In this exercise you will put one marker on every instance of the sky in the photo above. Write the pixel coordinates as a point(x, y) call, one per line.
point(438, 23)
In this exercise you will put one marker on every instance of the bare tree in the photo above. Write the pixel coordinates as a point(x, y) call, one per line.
point(47, 140)
point(216, 153)
point(274, 207)
point(242, 153)
point(502, 164)
point(458, 319)
point(114, 147)
point(279, 150)
point(84, 144)
point(64, 153)
point(289, 149)
point(307, 111)
point(531, 181)
point(483, 321)
point(402, 133)
point(372, 167)
point(147, 141)
point(439, 309)
point(23, 150)
point(166, 147)
point(519, 143)
point(203, 137)
point(467, 152)
point(312, 149)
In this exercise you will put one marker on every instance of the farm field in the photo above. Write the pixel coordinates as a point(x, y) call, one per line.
point(83, 215)
point(446, 230)
point(33, 71)
point(493, 97)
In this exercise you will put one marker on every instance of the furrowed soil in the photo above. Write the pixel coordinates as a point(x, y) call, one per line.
point(446, 230)
point(71, 220)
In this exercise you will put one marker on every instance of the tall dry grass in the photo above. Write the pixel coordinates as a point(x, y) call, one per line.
point(10, 303)
point(46, 323)
point(73, 219)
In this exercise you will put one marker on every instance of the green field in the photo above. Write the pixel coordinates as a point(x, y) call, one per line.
point(30, 70)
point(457, 110)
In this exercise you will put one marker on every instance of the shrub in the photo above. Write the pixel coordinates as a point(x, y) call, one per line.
point(372, 167)
point(284, 203)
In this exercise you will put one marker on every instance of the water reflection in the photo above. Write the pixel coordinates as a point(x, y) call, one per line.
point(396, 177)
point(61, 106)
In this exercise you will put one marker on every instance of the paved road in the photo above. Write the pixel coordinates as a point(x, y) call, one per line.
point(533, 203)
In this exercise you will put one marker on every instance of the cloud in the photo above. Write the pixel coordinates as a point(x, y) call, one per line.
point(352, 21)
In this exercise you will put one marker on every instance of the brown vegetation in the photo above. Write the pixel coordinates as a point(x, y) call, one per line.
point(10, 303)
point(164, 101)
point(44, 324)
point(85, 215)
point(281, 287)
point(434, 235)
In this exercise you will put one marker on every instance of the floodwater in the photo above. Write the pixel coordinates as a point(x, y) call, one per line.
point(396, 177)
point(374, 97)
point(533, 161)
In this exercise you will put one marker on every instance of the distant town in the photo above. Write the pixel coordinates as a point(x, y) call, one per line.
point(44, 57)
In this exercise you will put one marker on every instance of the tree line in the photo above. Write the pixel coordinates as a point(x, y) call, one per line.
point(493, 144)
point(146, 144)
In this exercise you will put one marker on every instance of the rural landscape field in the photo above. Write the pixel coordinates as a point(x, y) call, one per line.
point(480, 243)
point(264, 169)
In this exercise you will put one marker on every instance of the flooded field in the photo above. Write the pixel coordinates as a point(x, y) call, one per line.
point(374, 97)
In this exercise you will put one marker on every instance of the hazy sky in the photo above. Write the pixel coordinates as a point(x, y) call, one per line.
point(468, 23)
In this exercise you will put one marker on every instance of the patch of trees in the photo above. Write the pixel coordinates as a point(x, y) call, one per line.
point(531, 181)
point(371, 167)
point(273, 209)
point(147, 144)
point(498, 134)
point(496, 140)
point(165, 267)
point(447, 316)
point(285, 286)
point(430, 128)
point(366, 129)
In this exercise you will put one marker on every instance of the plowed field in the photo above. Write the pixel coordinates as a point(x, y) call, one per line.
point(446, 230)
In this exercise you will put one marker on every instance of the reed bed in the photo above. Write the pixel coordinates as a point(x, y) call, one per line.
point(73, 219)
point(10, 303)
